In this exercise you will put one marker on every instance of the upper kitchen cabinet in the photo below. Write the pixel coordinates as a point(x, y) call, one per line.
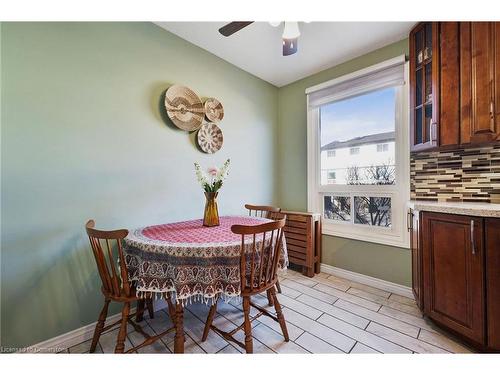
point(424, 80)
point(434, 85)
point(454, 84)
point(479, 82)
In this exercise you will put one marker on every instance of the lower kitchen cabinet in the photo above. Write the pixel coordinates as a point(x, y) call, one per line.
point(453, 273)
point(493, 282)
point(458, 278)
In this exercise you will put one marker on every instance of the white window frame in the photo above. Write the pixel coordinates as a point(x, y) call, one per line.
point(328, 175)
point(384, 147)
point(399, 193)
point(352, 149)
point(331, 153)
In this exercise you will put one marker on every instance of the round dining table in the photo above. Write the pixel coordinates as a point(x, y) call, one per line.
point(189, 262)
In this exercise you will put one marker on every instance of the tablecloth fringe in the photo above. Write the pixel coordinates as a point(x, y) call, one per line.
point(196, 297)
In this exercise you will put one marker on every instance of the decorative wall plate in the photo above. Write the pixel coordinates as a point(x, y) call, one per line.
point(184, 108)
point(214, 110)
point(210, 138)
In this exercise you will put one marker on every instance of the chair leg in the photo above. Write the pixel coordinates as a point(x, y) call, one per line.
point(99, 326)
point(247, 325)
point(179, 329)
point(139, 314)
point(120, 341)
point(209, 321)
point(171, 307)
point(149, 304)
point(279, 314)
point(278, 286)
point(269, 297)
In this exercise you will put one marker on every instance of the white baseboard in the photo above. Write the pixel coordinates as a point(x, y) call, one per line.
point(368, 280)
point(69, 339)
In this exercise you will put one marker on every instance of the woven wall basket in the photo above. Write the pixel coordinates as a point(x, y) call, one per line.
point(210, 138)
point(214, 111)
point(184, 108)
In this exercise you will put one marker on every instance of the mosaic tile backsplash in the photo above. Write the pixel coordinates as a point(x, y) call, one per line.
point(469, 175)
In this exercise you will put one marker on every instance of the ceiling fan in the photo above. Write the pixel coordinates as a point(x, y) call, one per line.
point(291, 33)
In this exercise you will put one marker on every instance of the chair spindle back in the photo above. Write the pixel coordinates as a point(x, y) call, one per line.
point(268, 212)
point(114, 283)
point(259, 257)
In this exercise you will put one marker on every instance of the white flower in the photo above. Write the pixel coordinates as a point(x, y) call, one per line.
point(202, 179)
point(223, 172)
point(213, 182)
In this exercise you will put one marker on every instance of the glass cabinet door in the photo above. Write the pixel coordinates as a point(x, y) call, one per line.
point(422, 85)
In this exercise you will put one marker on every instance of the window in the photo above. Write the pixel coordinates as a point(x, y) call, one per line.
point(337, 208)
point(372, 211)
point(330, 153)
point(383, 147)
point(332, 175)
point(362, 117)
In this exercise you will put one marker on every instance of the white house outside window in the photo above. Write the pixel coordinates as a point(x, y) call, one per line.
point(361, 119)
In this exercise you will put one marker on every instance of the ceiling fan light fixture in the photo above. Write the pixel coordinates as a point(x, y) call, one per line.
point(274, 23)
point(291, 30)
point(290, 46)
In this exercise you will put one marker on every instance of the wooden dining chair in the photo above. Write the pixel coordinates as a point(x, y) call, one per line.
point(258, 274)
point(268, 212)
point(117, 287)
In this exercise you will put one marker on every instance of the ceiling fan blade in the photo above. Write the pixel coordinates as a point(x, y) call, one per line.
point(232, 27)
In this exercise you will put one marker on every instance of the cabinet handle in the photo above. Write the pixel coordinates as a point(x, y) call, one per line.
point(409, 221)
point(433, 131)
point(473, 243)
point(491, 110)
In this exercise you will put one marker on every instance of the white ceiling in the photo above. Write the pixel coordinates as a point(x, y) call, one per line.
point(257, 48)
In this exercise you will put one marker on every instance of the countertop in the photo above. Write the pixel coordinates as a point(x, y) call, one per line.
point(459, 208)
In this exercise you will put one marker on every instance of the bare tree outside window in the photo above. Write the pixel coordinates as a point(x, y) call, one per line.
point(374, 211)
point(383, 174)
point(337, 208)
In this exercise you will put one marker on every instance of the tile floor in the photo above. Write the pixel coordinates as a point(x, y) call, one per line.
point(324, 314)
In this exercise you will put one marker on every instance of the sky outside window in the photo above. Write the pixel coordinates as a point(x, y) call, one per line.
point(359, 116)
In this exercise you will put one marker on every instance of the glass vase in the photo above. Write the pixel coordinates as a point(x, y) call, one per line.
point(211, 216)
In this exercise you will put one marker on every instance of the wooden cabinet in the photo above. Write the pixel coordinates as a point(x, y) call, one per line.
point(453, 273)
point(416, 256)
point(455, 88)
point(479, 82)
point(424, 89)
point(449, 84)
point(493, 282)
point(303, 240)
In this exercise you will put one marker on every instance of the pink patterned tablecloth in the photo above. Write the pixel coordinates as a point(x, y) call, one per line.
point(190, 260)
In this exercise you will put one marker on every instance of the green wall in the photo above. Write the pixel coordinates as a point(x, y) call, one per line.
point(84, 135)
point(384, 262)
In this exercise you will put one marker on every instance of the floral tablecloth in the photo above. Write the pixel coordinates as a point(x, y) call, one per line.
point(191, 261)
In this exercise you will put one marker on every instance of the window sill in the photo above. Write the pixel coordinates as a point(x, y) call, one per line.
point(365, 235)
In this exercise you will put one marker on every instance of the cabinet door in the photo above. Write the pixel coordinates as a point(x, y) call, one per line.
point(449, 101)
point(452, 249)
point(416, 257)
point(479, 82)
point(424, 86)
point(493, 281)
